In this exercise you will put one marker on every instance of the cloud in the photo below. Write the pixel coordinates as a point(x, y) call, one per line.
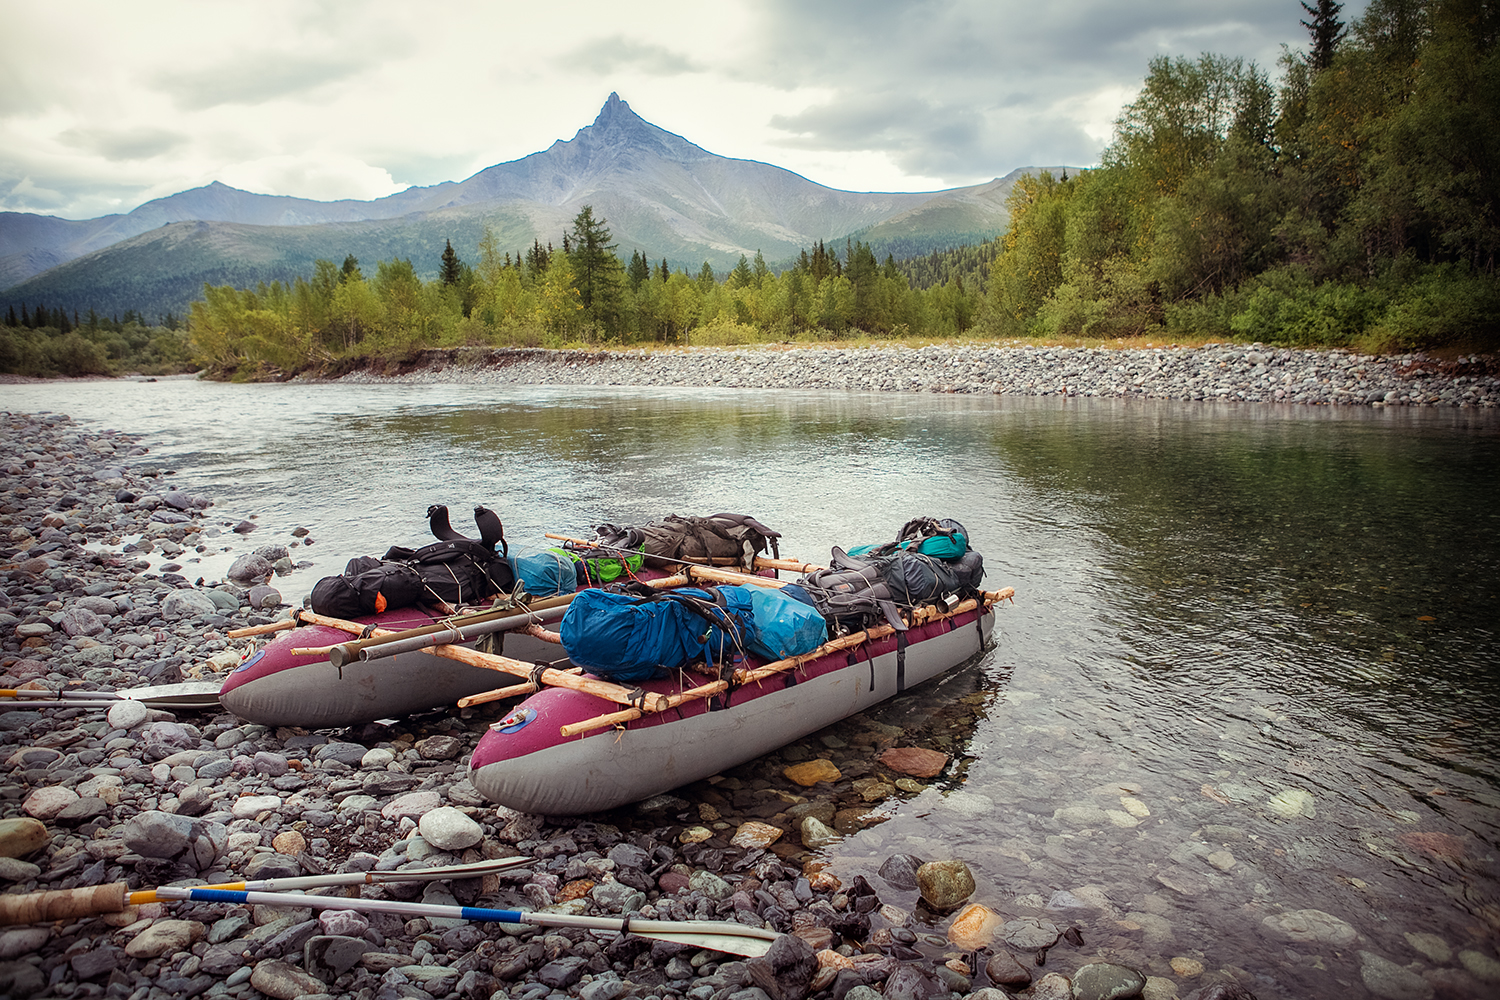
point(615, 53)
point(123, 144)
point(324, 177)
point(963, 90)
point(253, 79)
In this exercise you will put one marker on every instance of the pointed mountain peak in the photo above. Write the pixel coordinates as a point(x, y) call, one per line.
point(615, 113)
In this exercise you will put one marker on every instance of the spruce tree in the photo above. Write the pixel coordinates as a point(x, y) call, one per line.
point(452, 266)
point(1326, 30)
point(592, 254)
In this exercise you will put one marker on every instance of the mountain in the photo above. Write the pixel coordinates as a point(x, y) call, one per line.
point(658, 192)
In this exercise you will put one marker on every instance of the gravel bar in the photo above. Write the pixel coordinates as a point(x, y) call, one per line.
point(1214, 372)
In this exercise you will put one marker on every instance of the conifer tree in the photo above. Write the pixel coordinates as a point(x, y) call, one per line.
point(592, 255)
point(452, 266)
point(1326, 30)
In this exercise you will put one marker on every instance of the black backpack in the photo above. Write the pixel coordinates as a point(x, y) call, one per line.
point(455, 570)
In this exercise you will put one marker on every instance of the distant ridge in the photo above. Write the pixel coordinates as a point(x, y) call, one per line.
point(659, 193)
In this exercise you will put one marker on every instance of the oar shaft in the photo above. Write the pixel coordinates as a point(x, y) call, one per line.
point(729, 935)
point(459, 633)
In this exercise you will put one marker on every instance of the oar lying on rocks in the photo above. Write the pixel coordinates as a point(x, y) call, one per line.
point(187, 695)
point(64, 904)
point(736, 939)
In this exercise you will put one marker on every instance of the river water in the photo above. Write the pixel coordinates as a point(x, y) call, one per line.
point(1251, 667)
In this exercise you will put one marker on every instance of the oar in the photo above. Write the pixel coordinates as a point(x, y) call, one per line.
point(189, 694)
point(379, 647)
point(64, 904)
point(736, 939)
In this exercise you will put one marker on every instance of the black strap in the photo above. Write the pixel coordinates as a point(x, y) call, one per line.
point(538, 668)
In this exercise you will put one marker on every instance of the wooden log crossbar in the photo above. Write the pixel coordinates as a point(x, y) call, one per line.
point(920, 616)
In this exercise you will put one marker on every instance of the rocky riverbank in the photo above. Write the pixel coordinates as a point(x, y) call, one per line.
point(90, 797)
point(1215, 372)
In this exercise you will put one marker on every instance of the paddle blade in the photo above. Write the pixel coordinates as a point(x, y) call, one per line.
point(733, 944)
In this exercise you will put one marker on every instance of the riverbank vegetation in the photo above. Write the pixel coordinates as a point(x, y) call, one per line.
point(1354, 202)
point(44, 343)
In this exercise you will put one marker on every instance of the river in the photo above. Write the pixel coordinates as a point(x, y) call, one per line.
point(1251, 667)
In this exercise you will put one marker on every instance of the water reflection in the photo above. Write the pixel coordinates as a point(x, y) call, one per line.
point(1251, 667)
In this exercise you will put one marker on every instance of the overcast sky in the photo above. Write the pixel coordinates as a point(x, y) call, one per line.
point(105, 105)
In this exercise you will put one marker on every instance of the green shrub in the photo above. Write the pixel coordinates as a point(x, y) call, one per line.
point(1284, 306)
point(1445, 304)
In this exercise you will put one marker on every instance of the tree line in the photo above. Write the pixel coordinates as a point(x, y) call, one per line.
point(44, 342)
point(578, 293)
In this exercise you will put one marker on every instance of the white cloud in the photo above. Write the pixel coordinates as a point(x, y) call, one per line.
point(326, 177)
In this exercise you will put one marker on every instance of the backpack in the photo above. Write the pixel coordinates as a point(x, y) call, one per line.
point(929, 560)
point(368, 586)
point(719, 540)
point(455, 570)
point(593, 567)
point(629, 638)
point(458, 571)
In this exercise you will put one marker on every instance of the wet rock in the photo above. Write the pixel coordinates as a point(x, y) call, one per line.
point(1221, 991)
point(1385, 978)
point(908, 983)
point(1052, 986)
point(815, 834)
point(900, 871)
point(1106, 981)
point(974, 927)
point(1003, 968)
point(915, 761)
point(1293, 803)
point(811, 772)
point(249, 570)
point(1309, 926)
point(1480, 965)
point(1030, 933)
point(754, 834)
point(945, 885)
point(785, 972)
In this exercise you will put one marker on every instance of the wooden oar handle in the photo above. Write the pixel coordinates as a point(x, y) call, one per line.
point(62, 904)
